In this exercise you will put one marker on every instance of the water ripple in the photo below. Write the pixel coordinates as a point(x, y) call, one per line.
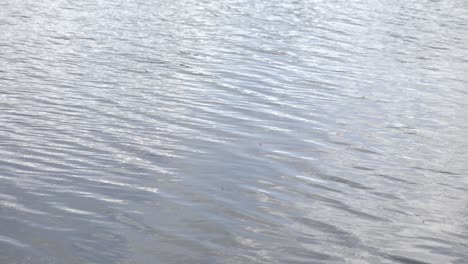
point(233, 131)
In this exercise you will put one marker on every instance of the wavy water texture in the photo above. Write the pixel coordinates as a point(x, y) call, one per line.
point(233, 131)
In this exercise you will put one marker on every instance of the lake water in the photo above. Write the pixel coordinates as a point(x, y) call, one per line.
point(233, 131)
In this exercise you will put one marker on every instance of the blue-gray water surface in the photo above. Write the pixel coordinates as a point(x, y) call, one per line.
point(233, 131)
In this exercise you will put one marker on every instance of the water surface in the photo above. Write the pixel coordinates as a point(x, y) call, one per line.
point(233, 131)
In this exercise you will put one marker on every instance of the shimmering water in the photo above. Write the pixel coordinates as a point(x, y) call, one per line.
point(233, 131)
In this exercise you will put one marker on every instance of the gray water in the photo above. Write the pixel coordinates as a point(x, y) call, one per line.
point(233, 131)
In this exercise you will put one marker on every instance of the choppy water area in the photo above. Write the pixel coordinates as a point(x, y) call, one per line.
point(233, 131)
